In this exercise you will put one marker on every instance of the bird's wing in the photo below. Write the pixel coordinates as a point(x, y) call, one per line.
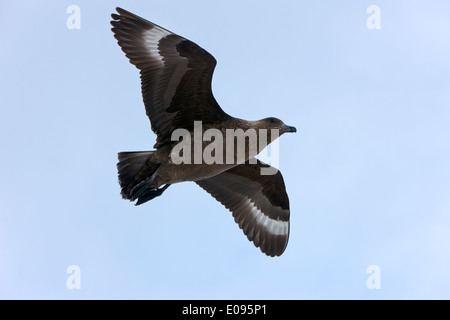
point(259, 204)
point(176, 75)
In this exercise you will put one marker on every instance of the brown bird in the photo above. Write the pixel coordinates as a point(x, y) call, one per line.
point(176, 76)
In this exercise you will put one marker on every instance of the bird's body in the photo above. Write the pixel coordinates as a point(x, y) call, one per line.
point(196, 140)
point(170, 172)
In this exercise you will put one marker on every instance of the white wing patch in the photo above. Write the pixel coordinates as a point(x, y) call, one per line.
point(275, 227)
point(152, 38)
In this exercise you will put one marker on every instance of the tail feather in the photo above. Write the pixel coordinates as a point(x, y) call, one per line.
point(129, 165)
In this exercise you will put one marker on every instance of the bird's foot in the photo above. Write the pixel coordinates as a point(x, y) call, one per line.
point(142, 186)
point(151, 194)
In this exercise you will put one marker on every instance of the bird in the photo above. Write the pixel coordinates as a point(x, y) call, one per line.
point(176, 78)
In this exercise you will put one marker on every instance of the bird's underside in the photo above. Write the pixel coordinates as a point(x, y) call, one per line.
point(176, 77)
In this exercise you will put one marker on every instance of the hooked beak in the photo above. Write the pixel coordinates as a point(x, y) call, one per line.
point(286, 128)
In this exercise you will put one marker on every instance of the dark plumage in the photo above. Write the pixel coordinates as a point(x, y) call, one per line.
point(176, 76)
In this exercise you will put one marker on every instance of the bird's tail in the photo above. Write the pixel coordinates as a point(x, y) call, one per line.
point(129, 165)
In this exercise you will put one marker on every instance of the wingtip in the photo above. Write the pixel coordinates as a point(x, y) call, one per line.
point(120, 11)
point(125, 13)
point(272, 253)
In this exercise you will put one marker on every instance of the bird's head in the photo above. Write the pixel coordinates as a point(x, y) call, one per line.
point(274, 123)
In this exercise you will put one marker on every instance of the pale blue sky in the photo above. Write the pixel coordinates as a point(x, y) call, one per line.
point(367, 173)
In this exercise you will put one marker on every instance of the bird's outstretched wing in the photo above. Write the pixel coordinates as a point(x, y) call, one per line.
point(176, 75)
point(259, 204)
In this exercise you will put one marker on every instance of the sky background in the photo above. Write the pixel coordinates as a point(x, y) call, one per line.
point(367, 173)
